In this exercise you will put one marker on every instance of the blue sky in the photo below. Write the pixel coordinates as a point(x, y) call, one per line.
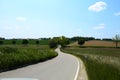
point(48, 18)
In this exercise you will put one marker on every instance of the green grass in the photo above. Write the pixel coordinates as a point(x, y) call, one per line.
point(17, 56)
point(101, 63)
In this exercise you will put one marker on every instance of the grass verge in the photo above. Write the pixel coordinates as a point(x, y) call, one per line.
point(13, 57)
point(101, 63)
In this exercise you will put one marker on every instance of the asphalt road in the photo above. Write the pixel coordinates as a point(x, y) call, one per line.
point(63, 67)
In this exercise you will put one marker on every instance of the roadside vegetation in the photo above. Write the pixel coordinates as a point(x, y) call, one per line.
point(101, 63)
point(17, 56)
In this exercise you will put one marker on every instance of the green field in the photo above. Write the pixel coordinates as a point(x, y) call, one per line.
point(17, 56)
point(101, 63)
point(31, 42)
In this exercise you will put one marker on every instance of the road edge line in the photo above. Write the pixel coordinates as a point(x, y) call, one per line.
point(78, 68)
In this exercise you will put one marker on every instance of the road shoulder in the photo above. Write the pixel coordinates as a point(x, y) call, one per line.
point(82, 71)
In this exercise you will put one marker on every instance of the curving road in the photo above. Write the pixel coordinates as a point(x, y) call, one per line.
point(63, 67)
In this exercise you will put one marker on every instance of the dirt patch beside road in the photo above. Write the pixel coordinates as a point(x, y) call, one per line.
point(82, 71)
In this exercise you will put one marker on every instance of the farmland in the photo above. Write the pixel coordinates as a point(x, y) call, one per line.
point(14, 56)
point(96, 43)
point(101, 59)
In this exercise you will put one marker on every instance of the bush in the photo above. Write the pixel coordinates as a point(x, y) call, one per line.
point(37, 42)
point(53, 44)
point(13, 42)
point(81, 41)
point(25, 41)
point(1, 42)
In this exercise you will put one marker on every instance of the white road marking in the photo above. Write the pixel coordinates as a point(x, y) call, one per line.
point(77, 72)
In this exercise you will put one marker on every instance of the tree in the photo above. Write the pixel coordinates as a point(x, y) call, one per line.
point(81, 41)
point(1, 42)
point(37, 42)
point(58, 41)
point(2, 38)
point(53, 43)
point(85, 38)
point(13, 41)
point(76, 38)
point(107, 39)
point(116, 40)
point(25, 41)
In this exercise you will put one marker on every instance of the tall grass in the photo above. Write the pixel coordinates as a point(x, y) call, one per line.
point(11, 57)
point(101, 63)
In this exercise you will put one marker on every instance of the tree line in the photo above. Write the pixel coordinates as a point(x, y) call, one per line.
point(14, 41)
point(80, 40)
point(63, 41)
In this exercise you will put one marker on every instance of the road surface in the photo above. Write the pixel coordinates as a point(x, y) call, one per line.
point(63, 67)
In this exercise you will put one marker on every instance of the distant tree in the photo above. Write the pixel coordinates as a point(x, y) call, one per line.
point(25, 41)
point(63, 41)
point(116, 40)
point(59, 41)
point(53, 43)
point(13, 41)
point(44, 38)
point(2, 38)
point(107, 39)
point(81, 41)
point(85, 38)
point(1, 42)
point(98, 39)
point(88, 38)
point(37, 42)
point(76, 38)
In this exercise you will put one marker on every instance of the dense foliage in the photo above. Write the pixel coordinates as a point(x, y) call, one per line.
point(25, 41)
point(81, 41)
point(85, 38)
point(58, 41)
point(53, 43)
point(13, 57)
point(13, 41)
point(1, 42)
point(37, 42)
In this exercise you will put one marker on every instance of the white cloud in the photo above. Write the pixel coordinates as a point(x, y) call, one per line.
point(98, 6)
point(21, 19)
point(117, 14)
point(100, 26)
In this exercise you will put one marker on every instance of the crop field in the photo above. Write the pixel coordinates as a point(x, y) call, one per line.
point(96, 43)
point(101, 63)
point(14, 56)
